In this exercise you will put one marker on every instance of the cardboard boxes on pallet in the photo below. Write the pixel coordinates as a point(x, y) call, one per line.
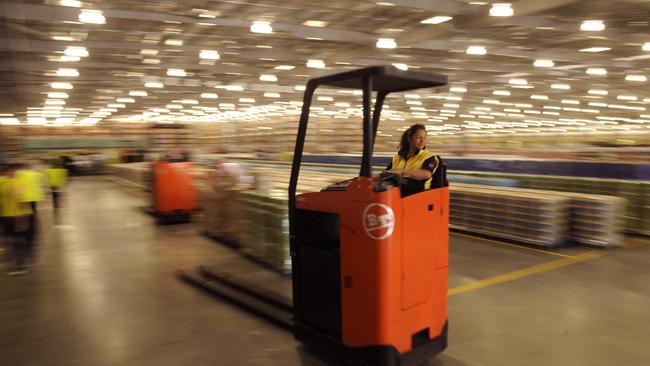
point(636, 213)
point(536, 217)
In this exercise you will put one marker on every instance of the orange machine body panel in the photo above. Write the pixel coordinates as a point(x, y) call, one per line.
point(172, 188)
point(394, 262)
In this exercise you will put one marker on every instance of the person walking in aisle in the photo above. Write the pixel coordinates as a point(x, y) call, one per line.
point(32, 182)
point(4, 234)
point(15, 213)
point(57, 177)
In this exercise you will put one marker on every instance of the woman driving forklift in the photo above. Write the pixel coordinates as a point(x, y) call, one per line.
point(416, 168)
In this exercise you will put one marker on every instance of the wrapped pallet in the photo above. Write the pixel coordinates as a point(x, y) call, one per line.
point(536, 217)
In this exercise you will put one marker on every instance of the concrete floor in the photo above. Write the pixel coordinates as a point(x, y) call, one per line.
point(105, 294)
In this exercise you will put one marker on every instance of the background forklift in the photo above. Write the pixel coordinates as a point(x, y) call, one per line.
point(174, 196)
point(369, 267)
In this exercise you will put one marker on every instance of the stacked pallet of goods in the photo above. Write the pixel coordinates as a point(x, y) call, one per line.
point(596, 219)
point(635, 193)
point(536, 217)
point(264, 223)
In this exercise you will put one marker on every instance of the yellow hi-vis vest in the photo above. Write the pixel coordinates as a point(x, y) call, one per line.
point(56, 178)
point(415, 162)
point(32, 185)
point(12, 203)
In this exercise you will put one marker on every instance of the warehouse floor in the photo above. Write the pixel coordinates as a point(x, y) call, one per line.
point(104, 293)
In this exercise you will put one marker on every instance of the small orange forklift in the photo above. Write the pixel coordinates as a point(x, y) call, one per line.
point(369, 266)
point(174, 196)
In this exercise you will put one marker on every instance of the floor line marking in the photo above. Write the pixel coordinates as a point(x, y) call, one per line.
point(516, 246)
point(511, 276)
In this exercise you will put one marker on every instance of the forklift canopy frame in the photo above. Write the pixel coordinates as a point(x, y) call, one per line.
point(382, 79)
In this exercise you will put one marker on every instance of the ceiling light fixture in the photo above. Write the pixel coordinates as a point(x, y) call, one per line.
point(386, 43)
point(597, 92)
point(36, 120)
point(518, 81)
point(501, 92)
point(501, 10)
point(174, 42)
point(63, 38)
point(458, 89)
point(234, 87)
point(156, 85)
point(9, 121)
point(285, 67)
point(646, 46)
point(561, 86)
point(61, 86)
point(69, 59)
point(316, 64)
point(315, 23)
point(403, 67)
point(176, 72)
point(57, 95)
point(209, 96)
point(268, 77)
point(627, 97)
point(636, 78)
point(67, 72)
point(76, 51)
point(246, 100)
point(596, 71)
point(570, 101)
point(271, 95)
point(263, 27)
point(592, 26)
point(544, 63)
point(539, 97)
point(436, 20)
point(70, 3)
point(209, 55)
point(595, 49)
point(125, 100)
point(92, 17)
point(476, 50)
point(138, 93)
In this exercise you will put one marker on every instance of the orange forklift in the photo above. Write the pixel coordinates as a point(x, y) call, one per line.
point(369, 265)
point(174, 196)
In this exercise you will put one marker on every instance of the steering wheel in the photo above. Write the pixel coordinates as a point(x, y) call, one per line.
point(387, 181)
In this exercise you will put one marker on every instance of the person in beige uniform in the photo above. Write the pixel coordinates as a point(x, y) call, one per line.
point(419, 169)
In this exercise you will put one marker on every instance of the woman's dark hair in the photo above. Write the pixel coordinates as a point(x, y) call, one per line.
point(405, 142)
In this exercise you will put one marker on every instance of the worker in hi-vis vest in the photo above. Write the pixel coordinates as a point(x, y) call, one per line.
point(417, 168)
point(57, 178)
point(32, 184)
point(15, 213)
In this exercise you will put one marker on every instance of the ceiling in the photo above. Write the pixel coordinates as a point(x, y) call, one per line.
point(141, 41)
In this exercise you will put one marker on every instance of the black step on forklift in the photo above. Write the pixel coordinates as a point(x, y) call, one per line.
point(369, 266)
